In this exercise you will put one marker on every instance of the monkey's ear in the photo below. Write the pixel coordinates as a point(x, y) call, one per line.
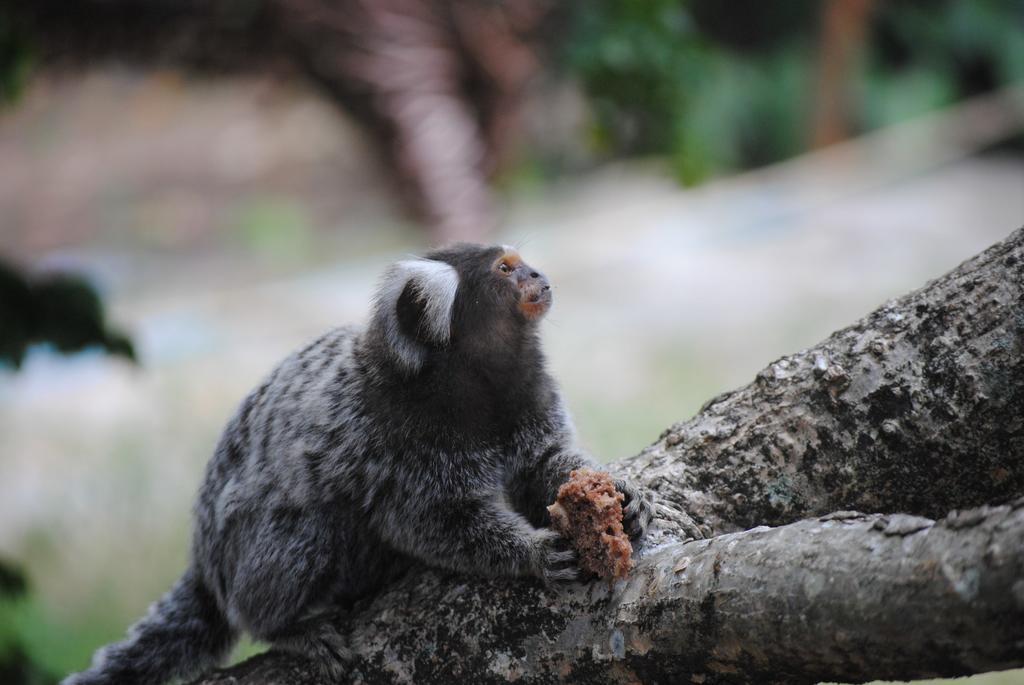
point(413, 309)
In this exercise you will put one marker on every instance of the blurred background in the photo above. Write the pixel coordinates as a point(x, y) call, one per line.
point(190, 189)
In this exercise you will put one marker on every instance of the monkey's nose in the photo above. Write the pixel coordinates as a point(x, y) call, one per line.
point(531, 278)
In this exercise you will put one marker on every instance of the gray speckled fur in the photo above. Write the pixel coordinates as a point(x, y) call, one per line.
point(316, 496)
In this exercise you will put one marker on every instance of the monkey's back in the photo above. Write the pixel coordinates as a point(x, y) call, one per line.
point(291, 456)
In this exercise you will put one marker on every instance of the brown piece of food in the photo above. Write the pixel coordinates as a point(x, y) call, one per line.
point(588, 511)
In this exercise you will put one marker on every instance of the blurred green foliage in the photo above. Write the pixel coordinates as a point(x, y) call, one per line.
point(660, 82)
point(65, 312)
point(15, 59)
point(59, 309)
point(725, 86)
point(16, 666)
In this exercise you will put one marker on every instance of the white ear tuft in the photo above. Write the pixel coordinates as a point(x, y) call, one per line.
point(435, 284)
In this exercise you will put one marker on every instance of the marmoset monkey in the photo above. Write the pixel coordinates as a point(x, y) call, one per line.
point(434, 434)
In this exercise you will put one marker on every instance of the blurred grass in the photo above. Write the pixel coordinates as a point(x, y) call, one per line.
point(62, 636)
point(274, 227)
point(64, 644)
point(671, 385)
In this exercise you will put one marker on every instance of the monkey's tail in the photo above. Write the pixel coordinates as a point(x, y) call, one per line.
point(183, 634)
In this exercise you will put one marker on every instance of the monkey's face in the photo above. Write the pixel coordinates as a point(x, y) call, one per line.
point(532, 292)
point(474, 300)
point(497, 288)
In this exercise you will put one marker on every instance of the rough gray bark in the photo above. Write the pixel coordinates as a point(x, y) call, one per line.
point(917, 408)
point(852, 596)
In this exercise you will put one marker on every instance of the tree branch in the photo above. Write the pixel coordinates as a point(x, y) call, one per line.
point(850, 597)
point(918, 407)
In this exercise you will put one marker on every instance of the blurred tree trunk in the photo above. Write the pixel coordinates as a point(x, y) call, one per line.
point(843, 27)
point(439, 83)
point(917, 408)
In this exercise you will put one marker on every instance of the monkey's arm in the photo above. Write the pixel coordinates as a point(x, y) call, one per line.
point(475, 534)
point(553, 467)
point(561, 459)
point(544, 475)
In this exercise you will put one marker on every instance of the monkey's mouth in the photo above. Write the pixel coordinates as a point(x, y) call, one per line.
point(534, 302)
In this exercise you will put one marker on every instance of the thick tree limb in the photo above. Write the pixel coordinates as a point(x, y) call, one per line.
point(850, 597)
point(918, 408)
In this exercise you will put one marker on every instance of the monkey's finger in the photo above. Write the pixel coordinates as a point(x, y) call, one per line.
point(562, 557)
point(563, 575)
point(627, 489)
point(631, 526)
point(639, 502)
point(639, 505)
point(632, 508)
point(636, 528)
point(549, 537)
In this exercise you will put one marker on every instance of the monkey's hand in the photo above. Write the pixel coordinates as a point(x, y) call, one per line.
point(553, 558)
point(637, 508)
point(640, 506)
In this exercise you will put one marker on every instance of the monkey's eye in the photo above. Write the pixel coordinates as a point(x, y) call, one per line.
point(504, 268)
